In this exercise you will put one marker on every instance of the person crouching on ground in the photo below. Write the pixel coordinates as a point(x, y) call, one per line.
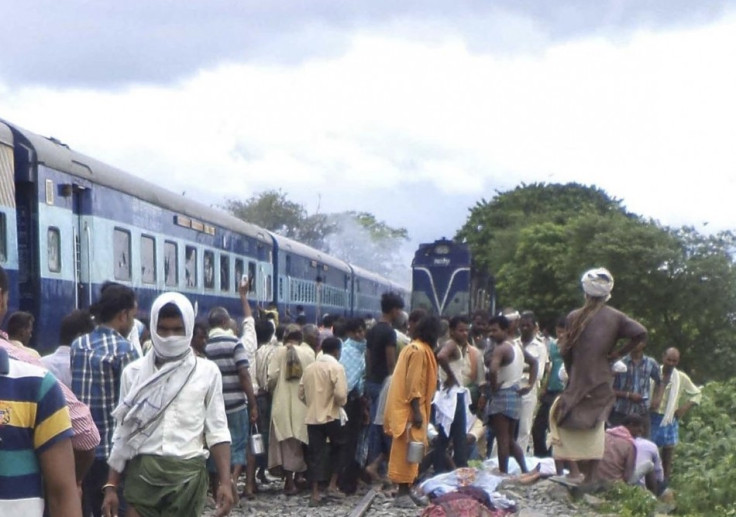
point(171, 408)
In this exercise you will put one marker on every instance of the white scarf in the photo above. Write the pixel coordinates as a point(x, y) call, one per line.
point(327, 358)
point(669, 411)
point(153, 390)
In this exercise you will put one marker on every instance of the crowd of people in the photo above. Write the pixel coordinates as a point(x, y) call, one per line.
point(142, 420)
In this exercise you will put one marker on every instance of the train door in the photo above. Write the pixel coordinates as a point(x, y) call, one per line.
point(82, 253)
point(8, 243)
point(65, 247)
point(65, 244)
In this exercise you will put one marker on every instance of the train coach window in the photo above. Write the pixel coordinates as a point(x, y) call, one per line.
point(121, 254)
point(252, 276)
point(171, 264)
point(239, 268)
point(3, 238)
point(53, 245)
point(209, 270)
point(148, 259)
point(190, 266)
point(224, 273)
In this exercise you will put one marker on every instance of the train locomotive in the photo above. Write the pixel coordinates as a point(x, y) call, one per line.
point(69, 223)
point(446, 282)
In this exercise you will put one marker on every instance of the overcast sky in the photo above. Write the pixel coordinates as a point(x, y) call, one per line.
point(410, 110)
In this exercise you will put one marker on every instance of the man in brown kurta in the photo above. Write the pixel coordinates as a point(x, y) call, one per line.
point(588, 352)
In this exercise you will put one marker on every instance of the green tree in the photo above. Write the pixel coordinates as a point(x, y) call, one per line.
point(492, 229)
point(679, 283)
point(272, 210)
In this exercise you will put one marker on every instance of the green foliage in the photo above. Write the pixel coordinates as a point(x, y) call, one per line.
point(628, 501)
point(493, 227)
point(538, 239)
point(704, 468)
point(272, 210)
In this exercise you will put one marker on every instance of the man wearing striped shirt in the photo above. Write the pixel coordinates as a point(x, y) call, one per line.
point(97, 363)
point(228, 353)
point(36, 455)
point(86, 437)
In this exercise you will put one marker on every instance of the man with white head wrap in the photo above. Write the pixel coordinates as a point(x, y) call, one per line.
point(171, 410)
point(588, 349)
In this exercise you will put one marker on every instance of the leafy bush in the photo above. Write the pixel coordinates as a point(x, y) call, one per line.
point(704, 465)
point(628, 501)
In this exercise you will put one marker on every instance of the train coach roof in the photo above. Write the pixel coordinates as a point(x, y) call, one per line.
point(395, 286)
point(56, 155)
point(428, 253)
point(364, 273)
point(303, 250)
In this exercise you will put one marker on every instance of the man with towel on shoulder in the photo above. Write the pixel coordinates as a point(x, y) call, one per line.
point(588, 349)
point(672, 399)
point(171, 408)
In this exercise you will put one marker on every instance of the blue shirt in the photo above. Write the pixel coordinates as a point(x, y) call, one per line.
point(97, 363)
point(636, 380)
point(352, 358)
point(555, 384)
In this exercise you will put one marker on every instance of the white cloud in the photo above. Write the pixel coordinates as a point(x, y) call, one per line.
point(649, 120)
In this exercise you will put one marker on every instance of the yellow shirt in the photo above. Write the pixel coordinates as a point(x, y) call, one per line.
point(324, 389)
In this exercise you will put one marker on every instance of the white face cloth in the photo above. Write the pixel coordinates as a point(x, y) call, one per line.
point(597, 283)
point(173, 346)
point(154, 388)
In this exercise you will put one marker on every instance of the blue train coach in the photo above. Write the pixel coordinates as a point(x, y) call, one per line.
point(76, 223)
point(310, 278)
point(69, 223)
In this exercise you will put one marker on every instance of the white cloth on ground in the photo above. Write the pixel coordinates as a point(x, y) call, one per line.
point(546, 465)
